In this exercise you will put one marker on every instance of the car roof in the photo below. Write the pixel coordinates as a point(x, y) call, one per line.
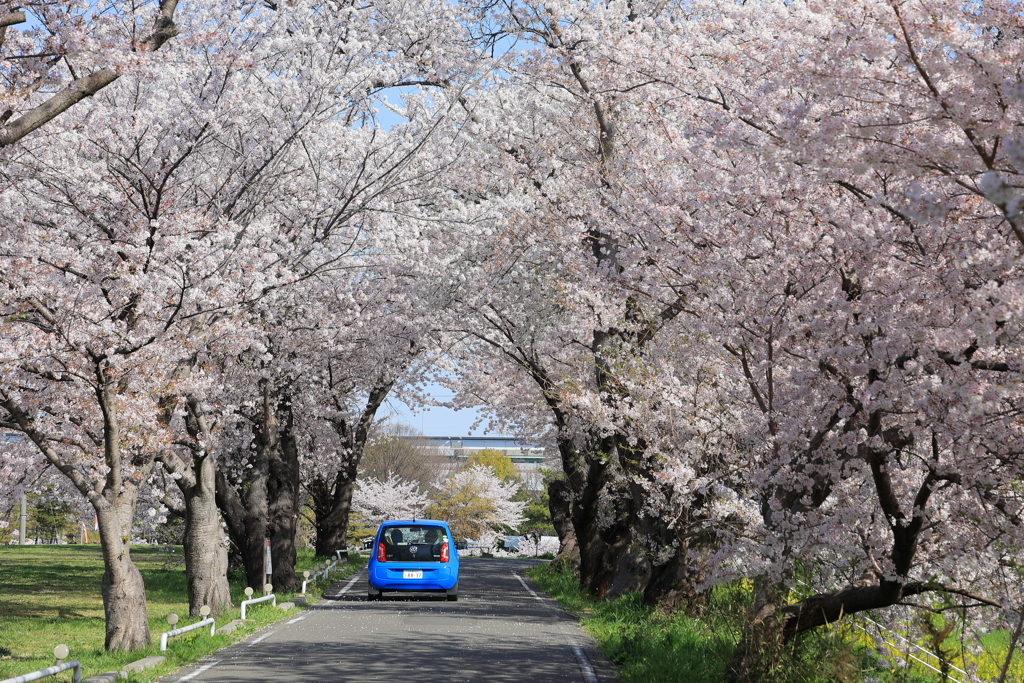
point(396, 522)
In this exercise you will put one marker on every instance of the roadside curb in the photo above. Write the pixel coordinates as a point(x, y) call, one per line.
point(138, 665)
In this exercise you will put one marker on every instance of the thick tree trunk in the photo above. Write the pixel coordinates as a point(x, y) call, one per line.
point(283, 497)
point(252, 546)
point(332, 521)
point(673, 583)
point(246, 519)
point(632, 575)
point(559, 499)
point(206, 558)
point(601, 545)
point(124, 593)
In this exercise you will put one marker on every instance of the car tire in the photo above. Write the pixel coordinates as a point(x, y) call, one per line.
point(453, 592)
point(372, 594)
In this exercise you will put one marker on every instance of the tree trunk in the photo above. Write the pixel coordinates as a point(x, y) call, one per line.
point(124, 593)
point(283, 498)
point(332, 521)
point(253, 549)
point(673, 583)
point(632, 575)
point(559, 498)
point(206, 558)
point(601, 546)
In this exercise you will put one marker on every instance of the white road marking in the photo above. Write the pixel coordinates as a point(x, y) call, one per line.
point(296, 619)
point(530, 590)
point(349, 585)
point(588, 671)
point(262, 638)
point(200, 670)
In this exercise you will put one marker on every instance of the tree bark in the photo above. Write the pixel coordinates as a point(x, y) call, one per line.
point(601, 546)
point(206, 559)
point(559, 499)
point(332, 519)
point(124, 593)
point(247, 510)
point(632, 575)
point(283, 499)
point(673, 584)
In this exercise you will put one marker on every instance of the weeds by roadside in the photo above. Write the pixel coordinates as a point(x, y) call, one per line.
point(648, 646)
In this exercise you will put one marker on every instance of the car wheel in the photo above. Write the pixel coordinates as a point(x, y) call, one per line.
point(453, 592)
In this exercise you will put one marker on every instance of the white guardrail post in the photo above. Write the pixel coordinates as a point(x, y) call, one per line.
point(172, 619)
point(320, 573)
point(252, 601)
point(60, 652)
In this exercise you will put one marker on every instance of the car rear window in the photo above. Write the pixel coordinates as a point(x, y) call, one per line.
point(413, 543)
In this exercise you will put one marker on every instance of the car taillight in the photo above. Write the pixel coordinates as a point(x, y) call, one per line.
point(444, 551)
point(381, 557)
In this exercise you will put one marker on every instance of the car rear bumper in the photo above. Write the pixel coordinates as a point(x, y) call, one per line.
point(388, 577)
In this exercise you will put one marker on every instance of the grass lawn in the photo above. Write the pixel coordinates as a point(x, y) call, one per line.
point(648, 646)
point(51, 595)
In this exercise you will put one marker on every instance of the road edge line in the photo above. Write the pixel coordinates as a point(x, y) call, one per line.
point(581, 658)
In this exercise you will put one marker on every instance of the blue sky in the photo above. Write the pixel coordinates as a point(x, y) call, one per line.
point(437, 421)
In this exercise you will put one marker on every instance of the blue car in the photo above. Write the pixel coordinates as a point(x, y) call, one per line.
point(414, 555)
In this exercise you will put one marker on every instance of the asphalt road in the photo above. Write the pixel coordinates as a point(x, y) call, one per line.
point(501, 630)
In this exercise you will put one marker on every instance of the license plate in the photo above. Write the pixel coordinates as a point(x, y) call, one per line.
point(412, 574)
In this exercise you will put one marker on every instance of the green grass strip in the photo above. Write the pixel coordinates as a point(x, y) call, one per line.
point(51, 595)
point(648, 646)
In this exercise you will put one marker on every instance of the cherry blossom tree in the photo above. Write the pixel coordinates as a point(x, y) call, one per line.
point(73, 50)
point(135, 255)
point(394, 498)
point(573, 298)
point(683, 278)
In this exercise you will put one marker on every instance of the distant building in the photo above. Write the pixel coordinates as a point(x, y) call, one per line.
point(527, 459)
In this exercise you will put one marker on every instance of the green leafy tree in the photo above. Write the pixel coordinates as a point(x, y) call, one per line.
point(50, 518)
point(500, 463)
point(477, 505)
point(465, 509)
point(537, 514)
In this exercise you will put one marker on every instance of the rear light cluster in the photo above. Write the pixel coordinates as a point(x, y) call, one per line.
point(381, 556)
point(444, 552)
